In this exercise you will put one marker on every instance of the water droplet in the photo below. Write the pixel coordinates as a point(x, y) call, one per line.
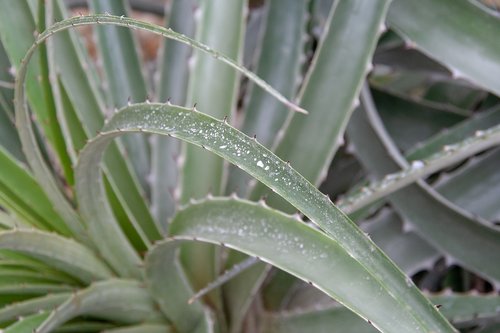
point(417, 164)
point(260, 164)
point(223, 147)
point(449, 148)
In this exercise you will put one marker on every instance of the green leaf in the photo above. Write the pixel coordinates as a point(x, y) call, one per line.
point(349, 21)
point(170, 288)
point(279, 66)
point(296, 248)
point(419, 169)
point(443, 225)
point(27, 324)
point(402, 58)
point(174, 75)
point(410, 252)
point(264, 116)
point(32, 306)
point(458, 34)
point(227, 142)
point(48, 84)
point(19, 273)
point(239, 292)
point(21, 187)
point(456, 93)
point(458, 308)
point(467, 307)
point(125, 81)
point(475, 187)
point(345, 54)
point(142, 328)
point(123, 301)
point(57, 252)
point(127, 186)
point(461, 134)
point(84, 326)
point(469, 127)
point(106, 233)
point(9, 138)
point(33, 288)
point(410, 122)
point(220, 25)
point(333, 320)
point(7, 221)
point(76, 74)
point(17, 26)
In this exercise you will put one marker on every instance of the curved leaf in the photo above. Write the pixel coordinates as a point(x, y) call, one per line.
point(118, 300)
point(444, 225)
point(171, 290)
point(296, 248)
point(459, 132)
point(235, 147)
point(28, 139)
point(456, 307)
point(476, 186)
point(57, 252)
point(419, 169)
point(168, 33)
point(437, 28)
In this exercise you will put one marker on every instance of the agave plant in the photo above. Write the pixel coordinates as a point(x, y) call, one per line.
point(179, 193)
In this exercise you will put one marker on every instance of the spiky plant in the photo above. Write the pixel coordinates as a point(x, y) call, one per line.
point(110, 224)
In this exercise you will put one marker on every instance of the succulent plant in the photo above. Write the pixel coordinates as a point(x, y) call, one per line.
point(189, 191)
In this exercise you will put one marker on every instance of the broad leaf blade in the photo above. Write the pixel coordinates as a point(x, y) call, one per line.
point(298, 249)
point(458, 34)
point(203, 130)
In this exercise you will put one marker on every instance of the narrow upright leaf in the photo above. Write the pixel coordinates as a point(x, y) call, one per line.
point(172, 85)
point(125, 80)
point(220, 25)
point(345, 54)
